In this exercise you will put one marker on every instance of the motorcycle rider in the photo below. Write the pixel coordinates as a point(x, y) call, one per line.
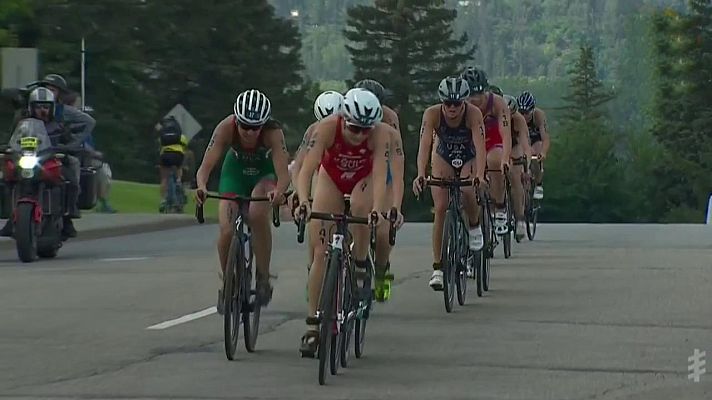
point(42, 105)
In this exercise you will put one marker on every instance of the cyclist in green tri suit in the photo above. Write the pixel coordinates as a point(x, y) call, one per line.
point(255, 165)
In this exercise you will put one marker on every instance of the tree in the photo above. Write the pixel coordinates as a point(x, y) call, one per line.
point(587, 92)
point(409, 45)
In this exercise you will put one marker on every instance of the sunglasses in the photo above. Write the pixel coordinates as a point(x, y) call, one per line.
point(41, 107)
point(452, 103)
point(363, 130)
point(249, 127)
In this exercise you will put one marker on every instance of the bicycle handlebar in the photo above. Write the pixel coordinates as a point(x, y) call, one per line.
point(392, 217)
point(199, 214)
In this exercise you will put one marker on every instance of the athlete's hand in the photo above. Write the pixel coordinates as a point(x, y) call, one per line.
point(377, 217)
point(399, 219)
point(303, 211)
point(418, 185)
point(276, 197)
point(200, 194)
point(505, 164)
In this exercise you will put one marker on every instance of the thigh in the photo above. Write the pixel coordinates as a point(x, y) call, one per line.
point(440, 169)
point(494, 159)
point(327, 199)
point(362, 198)
point(227, 213)
point(261, 189)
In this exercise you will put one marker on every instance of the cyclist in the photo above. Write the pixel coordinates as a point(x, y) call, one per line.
point(458, 131)
point(327, 103)
point(255, 165)
point(538, 137)
point(172, 153)
point(520, 149)
point(498, 138)
point(394, 191)
point(349, 149)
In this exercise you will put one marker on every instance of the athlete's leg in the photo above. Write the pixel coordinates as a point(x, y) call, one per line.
point(383, 252)
point(260, 220)
point(518, 190)
point(538, 170)
point(440, 169)
point(496, 178)
point(328, 199)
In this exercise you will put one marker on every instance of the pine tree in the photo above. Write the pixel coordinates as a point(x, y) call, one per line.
point(587, 92)
point(409, 46)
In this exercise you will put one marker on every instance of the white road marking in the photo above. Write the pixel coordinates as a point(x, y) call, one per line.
point(184, 319)
point(119, 259)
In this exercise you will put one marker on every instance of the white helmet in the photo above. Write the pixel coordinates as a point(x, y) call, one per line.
point(252, 107)
point(362, 108)
point(453, 88)
point(328, 103)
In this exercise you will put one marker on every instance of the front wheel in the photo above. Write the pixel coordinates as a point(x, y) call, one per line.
point(327, 307)
point(448, 260)
point(233, 301)
point(26, 232)
point(251, 311)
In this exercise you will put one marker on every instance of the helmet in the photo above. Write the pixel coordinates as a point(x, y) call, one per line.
point(496, 90)
point(526, 102)
point(512, 103)
point(57, 81)
point(328, 103)
point(362, 108)
point(374, 87)
point(453, 88)
point(476, 78)
point(41, 95)
point(252, 107)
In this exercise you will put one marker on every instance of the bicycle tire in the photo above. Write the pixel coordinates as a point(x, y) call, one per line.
point(507, 237)
point(232, 300)
point(251, 310)
point(446, 262)
point(489, 253)
point(461, 271)
point(360, 323)
point(348, 326)
point(532, 215)
point(326, 307)
point(340, 306)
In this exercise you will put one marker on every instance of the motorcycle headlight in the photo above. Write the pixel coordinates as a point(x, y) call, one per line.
point(28, 162)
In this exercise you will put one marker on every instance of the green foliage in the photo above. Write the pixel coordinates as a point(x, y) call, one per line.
point(410, 46)
point(587, 94)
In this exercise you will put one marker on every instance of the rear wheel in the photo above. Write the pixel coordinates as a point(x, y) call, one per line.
point(251, 311)
point(507, 239)
point(463, 259)
point(349, 304)
point(532, 212)
point(26, 232)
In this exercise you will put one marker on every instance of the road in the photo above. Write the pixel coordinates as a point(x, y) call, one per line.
point(584, 312)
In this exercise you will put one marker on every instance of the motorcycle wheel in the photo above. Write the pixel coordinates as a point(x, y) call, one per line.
point(25, 236)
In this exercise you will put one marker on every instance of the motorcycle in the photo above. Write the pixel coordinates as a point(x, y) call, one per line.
point(33, 169)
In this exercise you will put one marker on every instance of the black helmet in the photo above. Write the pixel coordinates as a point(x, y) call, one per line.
point(496, 90)
point(476, 79)
point(374, 87)
point(57, 81)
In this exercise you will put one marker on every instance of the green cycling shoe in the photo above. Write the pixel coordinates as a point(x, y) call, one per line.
point(383, 286)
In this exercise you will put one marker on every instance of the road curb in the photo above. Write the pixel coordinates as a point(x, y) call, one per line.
point(105, 232)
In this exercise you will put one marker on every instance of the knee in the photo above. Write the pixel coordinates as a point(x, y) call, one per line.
point(439, 207)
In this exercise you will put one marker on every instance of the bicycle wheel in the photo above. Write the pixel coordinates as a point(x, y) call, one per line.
point(327, 308)
point(349, 306)
point(481, 255)
point(448, 261)
point(462, 261)
point(341, 309)
point(360, 323)
point(251, 310)
point(491, 242)
point(233, 301)
point(507, 237)
point(531, 214)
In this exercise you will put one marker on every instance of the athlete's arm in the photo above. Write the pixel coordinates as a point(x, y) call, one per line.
point(476, 123)
point(381, 154)
point(426, 140)
point(397, 163)
point(312, 158)
point(280, 160)
point(540, 121)
point(504, 117)
point(214, 152)
point(301, 152)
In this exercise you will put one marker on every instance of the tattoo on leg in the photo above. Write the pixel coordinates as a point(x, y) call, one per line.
point(364, 186)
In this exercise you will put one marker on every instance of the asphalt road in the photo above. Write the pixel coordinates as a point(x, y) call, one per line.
point(584, 312)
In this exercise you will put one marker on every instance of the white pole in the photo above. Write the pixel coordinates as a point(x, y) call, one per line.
point(83, 76)
point(709, 211)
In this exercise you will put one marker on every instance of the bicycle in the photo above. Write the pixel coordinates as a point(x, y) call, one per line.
point(511, 221)
point(175, 195)
point(338, 310)
point(531, 205)
point(521, 161)
point(239, 287)
point(455, 250)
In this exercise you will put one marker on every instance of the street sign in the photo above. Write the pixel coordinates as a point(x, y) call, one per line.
point(19, 67)
point(187, 123)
